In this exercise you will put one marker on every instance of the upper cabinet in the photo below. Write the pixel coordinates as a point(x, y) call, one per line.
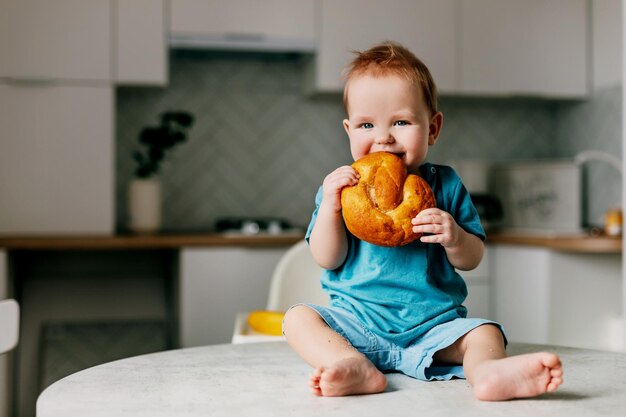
point(59, 62)
point(141, 42)
point(427, 27)
point(56, 159)
point(103, 41)
point(532, 47)
point(606, 29)
point(472, 47)
point(59, 40)
point(244, 24)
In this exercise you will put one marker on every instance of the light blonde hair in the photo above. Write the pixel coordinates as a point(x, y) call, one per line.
point(390, 58)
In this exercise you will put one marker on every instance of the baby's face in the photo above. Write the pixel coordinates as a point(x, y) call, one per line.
point(388, 114)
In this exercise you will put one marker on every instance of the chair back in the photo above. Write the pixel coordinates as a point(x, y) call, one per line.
point(296, 279)
point(9, 325)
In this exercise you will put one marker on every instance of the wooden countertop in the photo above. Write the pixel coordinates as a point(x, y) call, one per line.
point(568, 243)
point(155, 241)
point(563, 243)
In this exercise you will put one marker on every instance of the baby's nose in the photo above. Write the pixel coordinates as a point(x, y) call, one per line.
point(384, 138)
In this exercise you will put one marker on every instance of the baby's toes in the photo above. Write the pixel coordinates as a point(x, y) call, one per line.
point(317, 373)
point(556, 372)
point(314, 378)
point(553, 385)
point(551, 360)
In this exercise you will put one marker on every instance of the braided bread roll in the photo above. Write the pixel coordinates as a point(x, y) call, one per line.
point(380, 207)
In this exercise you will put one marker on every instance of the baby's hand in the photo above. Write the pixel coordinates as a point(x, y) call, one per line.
point(440, 225)
point(334, 182)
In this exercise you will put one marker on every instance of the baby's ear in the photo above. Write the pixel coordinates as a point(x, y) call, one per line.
point(346, 125)
point(434, 128)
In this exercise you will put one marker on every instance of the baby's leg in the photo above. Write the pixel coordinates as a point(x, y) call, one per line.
point(340, 369)
point(495, 377)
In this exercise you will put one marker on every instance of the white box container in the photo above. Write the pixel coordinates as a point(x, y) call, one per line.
point(540, 196)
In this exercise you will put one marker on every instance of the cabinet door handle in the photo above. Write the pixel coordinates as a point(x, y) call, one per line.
point(28, 82)
point(244, 37)
point(52, 82)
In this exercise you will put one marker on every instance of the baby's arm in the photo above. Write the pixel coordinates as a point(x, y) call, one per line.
point(464, 250)
point(328, 240)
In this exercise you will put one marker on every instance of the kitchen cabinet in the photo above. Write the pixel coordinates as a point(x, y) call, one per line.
point(56, 159)
point(534, 47)
point(478, 301)
point(546, 296)
point(84, 41)
point(141, 42)
point(59, 62)
point(606, 26)
point(426, 27)
point(58, 40)
point(215, 284)
point(62, 288)
point(247, 24)
point(472, 47)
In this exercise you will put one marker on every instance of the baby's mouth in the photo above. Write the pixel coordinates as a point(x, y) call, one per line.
point(401, 155)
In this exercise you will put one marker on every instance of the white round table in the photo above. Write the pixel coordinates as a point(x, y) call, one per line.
point(269, 379)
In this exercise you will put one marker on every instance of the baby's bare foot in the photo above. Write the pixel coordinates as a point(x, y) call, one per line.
point(518, 376)
point(347, 377)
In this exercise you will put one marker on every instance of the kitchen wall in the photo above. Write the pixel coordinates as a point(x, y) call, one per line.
point(594, 124)
point(261, 147)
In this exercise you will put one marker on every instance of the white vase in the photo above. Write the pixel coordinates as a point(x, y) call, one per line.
point(144, 205)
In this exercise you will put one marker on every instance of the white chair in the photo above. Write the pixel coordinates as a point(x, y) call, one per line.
point(296, 279)
point(9, 325)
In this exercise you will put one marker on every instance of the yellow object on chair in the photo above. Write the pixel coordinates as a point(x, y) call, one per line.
point(266, 322)
point(295, 280)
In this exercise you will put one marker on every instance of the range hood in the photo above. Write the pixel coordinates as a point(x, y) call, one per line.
point(240, 42)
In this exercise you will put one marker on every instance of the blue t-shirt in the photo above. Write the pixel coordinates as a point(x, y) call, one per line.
point(402, 292)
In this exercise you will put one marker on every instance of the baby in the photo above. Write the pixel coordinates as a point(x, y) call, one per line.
point(400, 309)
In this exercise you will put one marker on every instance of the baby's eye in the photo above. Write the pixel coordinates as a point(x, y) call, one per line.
point(401, 123)
point(367, 125)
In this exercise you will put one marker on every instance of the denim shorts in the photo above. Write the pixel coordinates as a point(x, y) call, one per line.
point(416, 359)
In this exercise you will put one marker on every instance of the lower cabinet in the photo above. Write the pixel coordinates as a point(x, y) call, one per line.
point(72, 302)
point(544, 296)
point(478, 301)
point(215, 284)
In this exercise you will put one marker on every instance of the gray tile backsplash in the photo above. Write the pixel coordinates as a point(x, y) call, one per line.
point(594, 124)
point(261, 147)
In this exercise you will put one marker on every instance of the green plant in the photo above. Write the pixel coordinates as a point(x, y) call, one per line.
point(157, 140)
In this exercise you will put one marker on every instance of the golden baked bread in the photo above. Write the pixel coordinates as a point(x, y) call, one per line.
point(380, 207)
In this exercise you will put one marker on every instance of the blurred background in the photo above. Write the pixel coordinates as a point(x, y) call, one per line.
point(107, 263)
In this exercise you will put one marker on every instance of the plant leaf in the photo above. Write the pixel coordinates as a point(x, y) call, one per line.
point(137, 156)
